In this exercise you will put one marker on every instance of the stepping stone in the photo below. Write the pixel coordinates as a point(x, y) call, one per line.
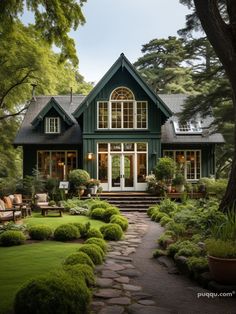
point(114, 309)
point(146, 302)
point(143, 309)
point(119, 301)
point(129, 251)
point(107, 293)
point(104, 282)
point(115, 267)
point(131, 287)
point(109, 274)
point(122, 258)
point(140, 295)
point(130, 272)
point(122, 279)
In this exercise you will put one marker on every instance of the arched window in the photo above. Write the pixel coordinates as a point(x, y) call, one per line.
point(122, 93)
point(122, 111)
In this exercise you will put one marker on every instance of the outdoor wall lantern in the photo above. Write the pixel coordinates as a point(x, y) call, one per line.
point(90, 156)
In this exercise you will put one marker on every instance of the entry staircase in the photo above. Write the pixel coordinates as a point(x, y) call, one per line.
point(131, 201)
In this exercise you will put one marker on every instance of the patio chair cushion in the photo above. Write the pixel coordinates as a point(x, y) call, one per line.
point(41, 197)
point(2, 205)
point(17, 198)
point(8, 202)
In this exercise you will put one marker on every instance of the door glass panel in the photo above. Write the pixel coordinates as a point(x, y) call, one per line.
point(129, 147)
point(128, 170)
point(141, 147)
point(102, 147)
point(102, 168)
point(115, 170)
point(141, 167)
point(115, 147)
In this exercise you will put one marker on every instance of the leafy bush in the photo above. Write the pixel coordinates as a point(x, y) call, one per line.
point(167, 206)
point(66, 232)
point(79, 177)
point(40, 232)
point(110, 211)
point(94, 252)
point(112, 232)
point(165, 168)
point(220, 248)
point(83, 228)
point(166, 238)
point(79, 211)
point(197, 264)
point(177, 228)
point(151, 210)
point(217, 187)
point(74, 203)
point(12, 226)
point(158, 253)
point(164, 220)
point(79, 258)
point(120, 220)
point(94, 233)
point(99, 204)
point(100, 242)
point(12, 237)
point(81, 270)
point(53, 293)
point(97, 213)
point(183, 248)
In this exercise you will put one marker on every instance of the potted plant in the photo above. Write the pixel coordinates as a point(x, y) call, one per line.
point(79, 178)
point(93, 185)
point(179, 182)
point(221, 249)
point(165, 170)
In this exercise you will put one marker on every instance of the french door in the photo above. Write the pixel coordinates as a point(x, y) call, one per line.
point(122, 172)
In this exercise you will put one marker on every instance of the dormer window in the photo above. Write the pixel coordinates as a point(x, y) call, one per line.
point(188, 127)
point(52, 125)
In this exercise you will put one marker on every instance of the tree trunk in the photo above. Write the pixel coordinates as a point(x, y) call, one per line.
point(222, 36)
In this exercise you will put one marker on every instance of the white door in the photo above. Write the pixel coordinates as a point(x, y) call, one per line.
point(122, 172)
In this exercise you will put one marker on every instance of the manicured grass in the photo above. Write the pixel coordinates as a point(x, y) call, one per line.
point(55, 221)
point(21, 263)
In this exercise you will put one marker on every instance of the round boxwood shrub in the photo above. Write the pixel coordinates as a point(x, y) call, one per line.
point(121, 221)
point(99, 204)
point(79, 258)
point(66, 232)
point(81, 270)
point(100, 242)
point(12, 237)
point(81, 227)
point(40, 232)
point(94, 233)
point(112, 210)
point(79, 177)
point(97, 213)
point(94, 252)
point(53, 293)
point(112, 232)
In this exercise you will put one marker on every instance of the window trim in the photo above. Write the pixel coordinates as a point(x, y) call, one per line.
point(47, 125)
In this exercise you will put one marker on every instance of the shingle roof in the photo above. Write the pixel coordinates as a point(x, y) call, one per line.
point(175, 103)
point(27, 133)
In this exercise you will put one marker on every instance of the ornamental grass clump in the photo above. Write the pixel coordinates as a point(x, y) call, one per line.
point(40, 232)
point(121, 221)
point(79, 258)
point(57, 292)
point(94, 233)
point(66, 232)
point(112, 232)
point(81, 271)
point(94, 252)
point(12, 237)
point(100, 242)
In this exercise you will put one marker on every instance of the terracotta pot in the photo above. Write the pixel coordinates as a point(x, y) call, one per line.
point(223, 270)
point(169, 187)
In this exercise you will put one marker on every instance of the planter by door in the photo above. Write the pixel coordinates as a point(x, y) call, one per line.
point(223, 270)
point(179, 188)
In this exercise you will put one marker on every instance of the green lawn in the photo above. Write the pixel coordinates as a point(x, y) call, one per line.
point(20, 263)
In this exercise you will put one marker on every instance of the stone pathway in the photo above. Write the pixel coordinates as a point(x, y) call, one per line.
point(115, 294)
point(131, 282)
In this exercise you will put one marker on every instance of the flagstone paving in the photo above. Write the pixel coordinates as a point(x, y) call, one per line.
point(130, 281)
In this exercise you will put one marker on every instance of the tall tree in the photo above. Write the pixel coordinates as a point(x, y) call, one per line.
point(162, 66)
point(53, 19)
point(218, 19)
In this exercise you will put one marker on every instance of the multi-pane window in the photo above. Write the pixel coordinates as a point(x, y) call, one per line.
point(56, 164)
point(188, 127)
point(122, 111)
point(52, 125)
point(188, 162)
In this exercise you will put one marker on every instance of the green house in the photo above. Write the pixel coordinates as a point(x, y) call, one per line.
point(117, 133)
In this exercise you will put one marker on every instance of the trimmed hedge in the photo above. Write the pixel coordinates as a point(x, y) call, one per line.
point(79, 258)
point(100, 242)
point(97, 213)
point(94, 252)
point(40, 232)
point(81, 271)
point(12, 237)
point(112, 232)
point(99, 204)
point(66, 232)
point(121, 221)
point(94, 233)
point(57, 293)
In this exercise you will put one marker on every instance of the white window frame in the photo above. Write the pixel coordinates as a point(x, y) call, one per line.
point(109, 110)
point(185, 162)
point(190, 127)
point(52, 125)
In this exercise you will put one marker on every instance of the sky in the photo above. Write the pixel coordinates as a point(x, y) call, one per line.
point(116, 26)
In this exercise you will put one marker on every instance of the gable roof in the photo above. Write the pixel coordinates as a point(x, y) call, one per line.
point(52, 104)
point(122, 62)
point(71, 136)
